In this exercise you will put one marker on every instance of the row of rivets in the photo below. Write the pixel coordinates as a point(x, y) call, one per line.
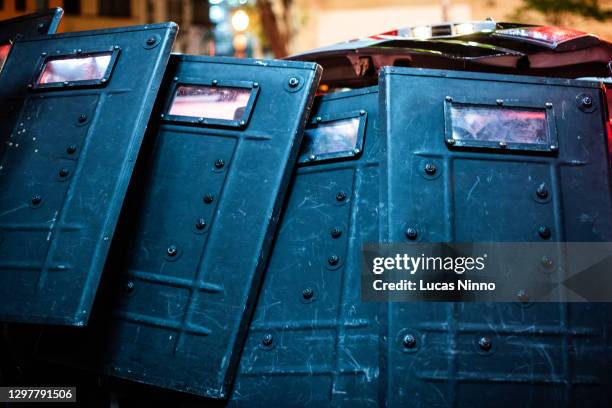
point(543, 231)
point(409, 342)
point(201, 223)
point(336, 232)
point(36, 199)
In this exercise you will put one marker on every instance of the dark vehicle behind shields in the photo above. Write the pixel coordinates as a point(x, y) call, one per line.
point(235, 276)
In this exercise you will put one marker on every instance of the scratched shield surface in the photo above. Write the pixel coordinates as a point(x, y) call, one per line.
point(493, 158)
point(198, 224)
point(74, 108)
point(311, 337)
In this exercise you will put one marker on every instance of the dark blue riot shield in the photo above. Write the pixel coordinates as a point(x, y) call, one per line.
point(74, 110)
point(311, 337)
point(491, 158)
point(29, 25)
point(199, 221)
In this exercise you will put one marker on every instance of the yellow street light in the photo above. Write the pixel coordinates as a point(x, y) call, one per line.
point(240, 20)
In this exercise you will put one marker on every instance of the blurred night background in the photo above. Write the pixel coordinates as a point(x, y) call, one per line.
point(277, 28)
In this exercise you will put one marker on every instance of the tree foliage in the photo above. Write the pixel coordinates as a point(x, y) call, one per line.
point(557, 11)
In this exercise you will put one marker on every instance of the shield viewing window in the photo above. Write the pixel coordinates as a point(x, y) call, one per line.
point(76, 70)
point(220, 104)
point(500, 126)
point(4, 51)
point(340, 136)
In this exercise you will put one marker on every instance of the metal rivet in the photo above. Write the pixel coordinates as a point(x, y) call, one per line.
point(44, 54)
point(553, 147)
point(162, 116)
point(336, 232)
point(129, 286)
point(586, 101)
point(293, 82)
point(362, 112)
point(242, 123)
point(255, 84)
point(333, 260)
point(63, 172)
point(500, 102)
point(485, 343)
point(36, 199)
point(522, 296)
point(318, 119)
point(312, 157)
point(219, 163)
point(151, 40)
point(307, 293)
point(30, 86)
point(82, 118)
point(267, 339)
point(450, 141)
point(40, 27)
point(66, 83)
point(79, 51)
point(172, 250)
point(411, 233)
point(341, 196)
point(548, 105)
point(544, 232)
point(71, 149)
point(116, 47)
point(546, 262)
point(448, 99)
point(103, 80)
point(503, 145)
point(215, 82)
point(542, 191)
point(201, 224)
point(208, 198)
point(430, 169)
point(409, 341)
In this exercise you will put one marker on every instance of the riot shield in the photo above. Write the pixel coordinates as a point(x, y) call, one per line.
point(200, 219)
point(311, 337)
point(79, 103)
point(30, 25)
point(474, 157)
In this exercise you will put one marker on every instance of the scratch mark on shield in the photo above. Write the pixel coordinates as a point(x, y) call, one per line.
point(473, 187)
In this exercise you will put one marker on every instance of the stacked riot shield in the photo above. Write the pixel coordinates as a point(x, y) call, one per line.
point(205, 218)
point(222, 147)
point(30, 25)
point(199, 221)
point(75, 107)
point(496, 158)
point(311, 336)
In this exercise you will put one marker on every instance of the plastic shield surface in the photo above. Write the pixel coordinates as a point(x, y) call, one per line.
point(311, 337)
point(70, 137)
point(494, 158)
point(199, 223)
